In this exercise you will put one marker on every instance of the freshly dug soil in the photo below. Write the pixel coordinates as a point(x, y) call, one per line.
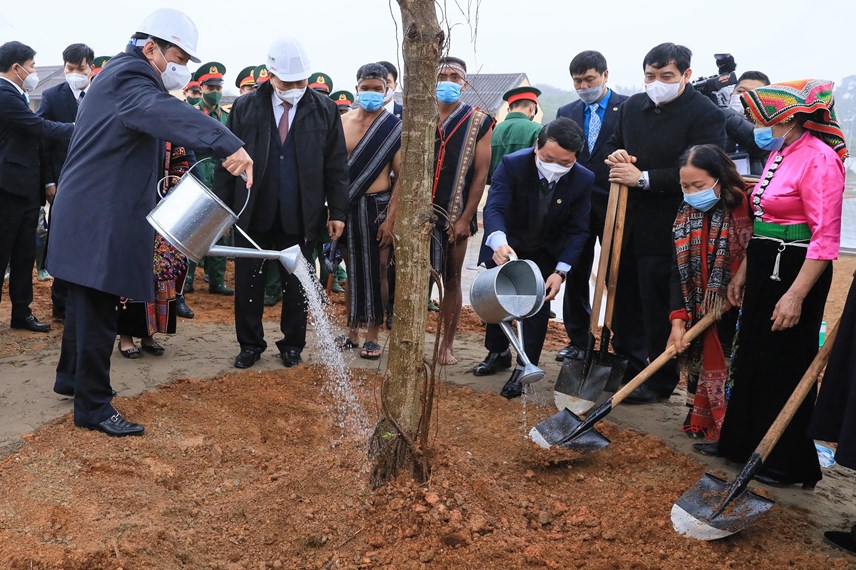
point(251, 470)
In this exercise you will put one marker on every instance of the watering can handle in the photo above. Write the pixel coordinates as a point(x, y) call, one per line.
point(512, 257)
point(160, 190)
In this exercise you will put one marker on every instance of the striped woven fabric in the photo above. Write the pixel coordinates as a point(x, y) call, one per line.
point(779, 102)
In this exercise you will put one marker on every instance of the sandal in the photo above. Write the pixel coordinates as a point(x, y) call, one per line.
point(343, 343)
point(132, 353)
point(153, 348)
point(371, 350)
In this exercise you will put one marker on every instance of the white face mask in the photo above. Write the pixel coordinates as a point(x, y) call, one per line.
point(735, 103)
point(77, 81)
point(661, 93)
point(551, 171)
point(30, 82)
point(291, 96)
point(176, 76)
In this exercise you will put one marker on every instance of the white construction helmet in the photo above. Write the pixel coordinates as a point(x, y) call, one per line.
point(174, 27)
point(288, 60)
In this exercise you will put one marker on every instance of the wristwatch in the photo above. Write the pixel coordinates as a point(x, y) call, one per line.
point(562, 274)
point(641, 182)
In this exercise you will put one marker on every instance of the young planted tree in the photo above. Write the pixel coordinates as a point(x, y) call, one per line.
point(400, 438)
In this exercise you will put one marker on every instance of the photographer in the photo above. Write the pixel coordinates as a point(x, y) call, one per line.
point(740, 145)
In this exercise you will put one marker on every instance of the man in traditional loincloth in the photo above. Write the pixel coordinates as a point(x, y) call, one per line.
point(373, 138)
point(462, 150)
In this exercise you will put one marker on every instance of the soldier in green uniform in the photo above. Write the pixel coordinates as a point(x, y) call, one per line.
point(321, 82)
point(98, 63)
point(210, 78)
point(344, 100)
point(518, 130)
point(193, 92)
point(261, 75)
point(245, 82)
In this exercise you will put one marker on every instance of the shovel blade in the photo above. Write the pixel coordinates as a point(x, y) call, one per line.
point(570, 390)
point(693, 513)
point(555, 430)
point(617, 367)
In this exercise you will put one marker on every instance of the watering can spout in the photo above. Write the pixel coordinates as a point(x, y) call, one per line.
point(289, 258)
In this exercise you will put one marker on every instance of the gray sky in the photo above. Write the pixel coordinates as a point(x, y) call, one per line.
point(538, 37)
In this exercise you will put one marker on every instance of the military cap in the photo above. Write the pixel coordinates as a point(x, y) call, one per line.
point(245, 77)
point(98, 63)
point(210, 73)
point(344, 98)
point(321, 82)
point(522, 93)
point(191, 85)
point(261, 74)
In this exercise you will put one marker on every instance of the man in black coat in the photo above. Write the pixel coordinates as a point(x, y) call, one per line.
point(537, 209)
point(596, 111)
point(60, 103)
point(21, 186)
point(654, 129)
point(295, 137)
point(100, 241)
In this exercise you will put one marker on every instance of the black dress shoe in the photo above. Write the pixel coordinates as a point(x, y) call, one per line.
point(117, 426)
point(709, 449)
point(31, 323)
point(291, 357)
point(845, 540)
point(153, 348)
point(572, 352)
point(776, 479)
point(247, 358)
point(494, 362)
point(182, 309)
point(644, 395)
point(513, 388)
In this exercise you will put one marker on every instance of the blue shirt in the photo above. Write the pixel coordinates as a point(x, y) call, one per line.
point(601, 111)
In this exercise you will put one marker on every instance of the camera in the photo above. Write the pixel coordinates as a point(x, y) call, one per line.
point(718, 88)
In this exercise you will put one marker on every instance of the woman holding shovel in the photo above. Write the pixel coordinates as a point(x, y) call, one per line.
point(711, 232)
point(784, 280)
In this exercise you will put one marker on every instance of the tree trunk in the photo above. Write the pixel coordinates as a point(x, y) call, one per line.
point(400, 436)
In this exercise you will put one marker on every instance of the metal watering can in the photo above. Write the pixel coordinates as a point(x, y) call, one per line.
point(192, 218)
point(512, 291)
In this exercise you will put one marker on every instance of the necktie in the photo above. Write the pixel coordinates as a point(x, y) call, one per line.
point(594, 126)
point(283, 122)
point(80, 99)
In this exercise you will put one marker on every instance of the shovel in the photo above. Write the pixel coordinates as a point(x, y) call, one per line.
point(567, 429)
point(585, 380)
point(330, 264)
point(711, 509)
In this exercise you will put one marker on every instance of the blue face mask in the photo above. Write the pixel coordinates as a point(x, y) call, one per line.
point(448, 92)
point(371, 101)
point(765, 140)
point(703, 200)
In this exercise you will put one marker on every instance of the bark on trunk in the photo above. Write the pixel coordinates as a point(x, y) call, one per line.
point(400, 436)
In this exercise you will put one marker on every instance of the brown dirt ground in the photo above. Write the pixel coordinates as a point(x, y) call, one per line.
point(251, 471)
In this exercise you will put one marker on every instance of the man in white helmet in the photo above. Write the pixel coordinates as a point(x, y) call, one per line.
point(100, 242)
point(295, 137)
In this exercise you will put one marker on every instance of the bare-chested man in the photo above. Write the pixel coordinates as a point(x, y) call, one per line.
point(373, 139)
point(462, 150)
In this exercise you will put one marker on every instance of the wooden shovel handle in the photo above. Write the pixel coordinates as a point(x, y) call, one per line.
point(615, 256)
point(605, 247)
point(670, 353)
point(806, 385)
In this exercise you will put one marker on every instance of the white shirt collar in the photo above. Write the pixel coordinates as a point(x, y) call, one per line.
point(21, 91)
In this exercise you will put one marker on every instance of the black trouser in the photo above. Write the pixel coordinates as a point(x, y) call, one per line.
point(18, 220)
point(535, 327)
point(59, 296)
point(250, 280)
point(84, 361)
point(641, 323)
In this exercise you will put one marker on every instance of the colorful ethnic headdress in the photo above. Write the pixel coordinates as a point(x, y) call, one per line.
point(778, 103)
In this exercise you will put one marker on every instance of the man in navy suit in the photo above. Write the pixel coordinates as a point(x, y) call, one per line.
point(100, 242)
point(60, 103)
point(538, 209)
point(596, 111)
point(21, 189)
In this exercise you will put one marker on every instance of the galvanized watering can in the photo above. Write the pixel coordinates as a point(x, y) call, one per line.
point(512, 291)
point(192, 219)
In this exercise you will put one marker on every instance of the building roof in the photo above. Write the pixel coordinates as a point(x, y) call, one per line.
point(485, 90)
point(49, 75)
